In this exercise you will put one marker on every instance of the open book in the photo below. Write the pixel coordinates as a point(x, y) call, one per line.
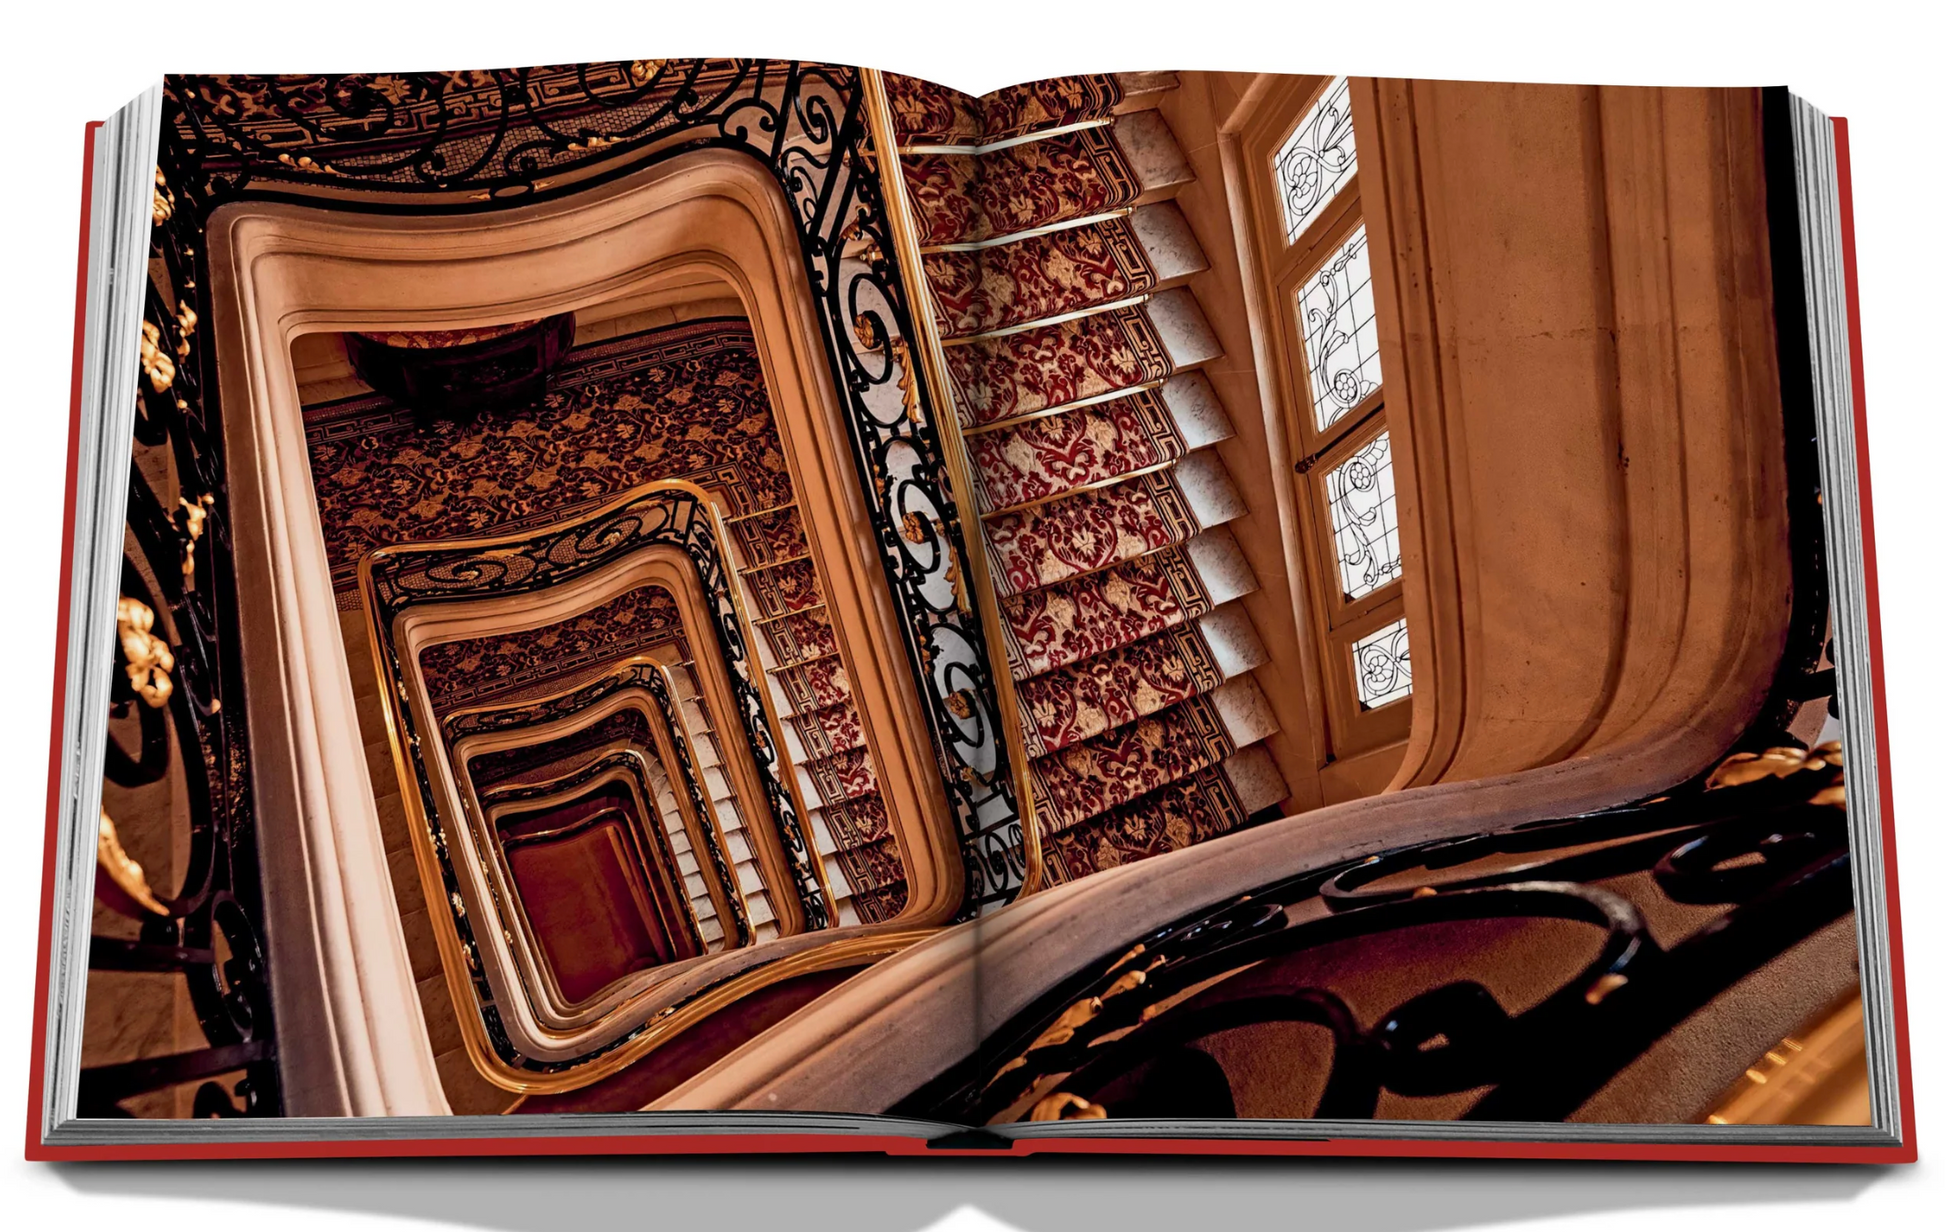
point(704, 604)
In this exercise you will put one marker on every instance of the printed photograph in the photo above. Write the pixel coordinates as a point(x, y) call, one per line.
point(744, 586)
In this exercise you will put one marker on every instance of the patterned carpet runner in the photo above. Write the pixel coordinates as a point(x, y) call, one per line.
point(1041, 279)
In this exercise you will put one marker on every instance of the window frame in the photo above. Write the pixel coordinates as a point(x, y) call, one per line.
point(1287, 266)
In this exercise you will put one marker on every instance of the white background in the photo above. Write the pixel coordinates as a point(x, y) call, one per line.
point(1878, 64)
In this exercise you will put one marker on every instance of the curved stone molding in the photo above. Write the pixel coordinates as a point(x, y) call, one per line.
point(279, 270)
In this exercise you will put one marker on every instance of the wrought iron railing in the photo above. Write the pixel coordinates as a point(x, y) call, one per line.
point(181, 683)
point(458, 142)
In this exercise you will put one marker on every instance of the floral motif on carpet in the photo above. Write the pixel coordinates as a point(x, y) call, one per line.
point(1188, 811)
point(924, 113)
point(682, 403)
point(476, 669)
point(1107, 691)
point(1088, 779)
point(1046, 457)
point(1045, 276)
point(1065, 623)
point(1092, 530)
point(809, 686)
point(833, 729)
point(843, 776)
point(962, 198)
point(1037, 369)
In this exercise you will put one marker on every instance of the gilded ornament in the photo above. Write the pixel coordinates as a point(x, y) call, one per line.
point(186, 326)
point(1740, 768)
point(908, 387)
point(157, 366)
point(149, 658)
point(1071, 1020)
point(916, 527)
point(163, 207)
point(124, 874)
point(194, 514)
point(1066, 1106)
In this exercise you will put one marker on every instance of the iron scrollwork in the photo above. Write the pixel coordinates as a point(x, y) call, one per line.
point(1762, 844)
point(467, 141)
point(180, 680)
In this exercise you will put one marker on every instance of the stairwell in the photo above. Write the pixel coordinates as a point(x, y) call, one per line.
point(823, 740)
point(1061, 277)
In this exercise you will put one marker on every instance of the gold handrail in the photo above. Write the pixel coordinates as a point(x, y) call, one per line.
point(959, 477)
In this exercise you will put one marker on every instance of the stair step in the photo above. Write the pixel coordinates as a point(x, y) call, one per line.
point(855, 822)
point(1100, 694)
point(1212, 802)
point(1090, 778)
point(1072, 363)
point(987, 290)
point(1057, 625)
point(1017, 464)
point(813, 684)
point(770, 538)
point(927, 114)
point(821, 733)
point(1102, 527)
point(784, 588)
point(797, 639)
point(1015, 192)
point(840, 777)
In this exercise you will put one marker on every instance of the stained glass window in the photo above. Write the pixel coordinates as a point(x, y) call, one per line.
point(1317, 158)
point(1340, 330)
point(1381, 663)
point(1365, 518)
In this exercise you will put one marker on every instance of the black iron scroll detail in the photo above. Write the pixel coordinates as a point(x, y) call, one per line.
point(433, 142)
point(1771, 854)
point(178, 587)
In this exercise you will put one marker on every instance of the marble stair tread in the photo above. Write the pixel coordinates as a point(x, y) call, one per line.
point(1258, 782)
point(1085, 359)
point(1054, 626)
point(987, 199)
point(1110, 690)
point(1077, 269)
point(1053, 454)
point(1102, 527)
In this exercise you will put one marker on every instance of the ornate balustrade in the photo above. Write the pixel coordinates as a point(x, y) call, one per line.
point(185, 783)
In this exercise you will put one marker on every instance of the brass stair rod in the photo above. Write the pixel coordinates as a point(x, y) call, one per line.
point(959, 478)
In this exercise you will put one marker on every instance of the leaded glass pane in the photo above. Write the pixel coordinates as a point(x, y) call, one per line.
point(1340, 331)
point(1317, 159)
point(1365, 518)
point(1381, 663)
